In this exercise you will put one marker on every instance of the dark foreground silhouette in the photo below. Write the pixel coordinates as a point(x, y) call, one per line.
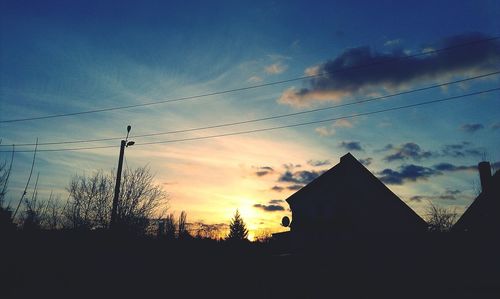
point(100, 265)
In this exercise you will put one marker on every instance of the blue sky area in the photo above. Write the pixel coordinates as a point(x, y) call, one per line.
point(60, 57)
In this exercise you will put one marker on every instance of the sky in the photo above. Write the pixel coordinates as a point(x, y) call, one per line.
point(60, 57)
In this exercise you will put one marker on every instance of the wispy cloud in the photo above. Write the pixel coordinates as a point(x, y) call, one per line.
point(392, 42)
point(343, 123)
point(319, 162)
point(366, 162)
point(471, 128)
point(275, 68)
point(276, 201)
point(263, 170)
point(254, 79)
point(452, 167)
point(460, 150)
point(340, 80)
point(447, 195)
point(295, 187)
point(277, 188)
point(325, 131)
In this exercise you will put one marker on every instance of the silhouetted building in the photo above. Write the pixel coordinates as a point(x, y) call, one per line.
point(348, 198)
point(483, 215)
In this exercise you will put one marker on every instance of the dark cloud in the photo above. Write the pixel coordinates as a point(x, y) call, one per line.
point(366, 162)
point(276, 201)
point(417, 198)
point(295, 187)
point(407, 151)
point(264, 170)
point(461, 150)
point(387, 147)
point(471, 128)
point(351, 145)
point(261, 173)
point(319, 162)
point(450, 167)
point(342, 78)
point(406, 173)
point(277, 188)
point(269, 208)
point(299, 177)
point(447, 195)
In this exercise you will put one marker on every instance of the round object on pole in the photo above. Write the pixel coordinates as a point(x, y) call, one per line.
point(129, 127)
point(285, 221)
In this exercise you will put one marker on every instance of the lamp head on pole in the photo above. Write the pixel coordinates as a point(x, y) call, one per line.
point(129, 143)
point(129, 127)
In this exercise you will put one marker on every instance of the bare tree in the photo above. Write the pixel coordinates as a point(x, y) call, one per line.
point(170, 226)
point(182, 231)
point(140, 198)
point(51, 214)
point(31, 217)
point(263, 236)
point(89, 205)
point(208, 231)
point(90, 201)
point(6, 222)
point(5, 170)
point(440, 219)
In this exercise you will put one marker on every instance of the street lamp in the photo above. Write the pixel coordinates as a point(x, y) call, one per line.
point(124, 143)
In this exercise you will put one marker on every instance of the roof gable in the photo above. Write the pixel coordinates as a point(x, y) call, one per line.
point(357, 194)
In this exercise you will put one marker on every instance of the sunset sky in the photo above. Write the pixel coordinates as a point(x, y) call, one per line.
point(60, 57)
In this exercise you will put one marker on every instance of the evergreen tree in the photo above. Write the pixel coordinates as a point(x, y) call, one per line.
point(237, 228)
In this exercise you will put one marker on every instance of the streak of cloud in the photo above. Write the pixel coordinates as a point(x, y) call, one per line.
point(269, 208)
point(275, 68)
point(471, 128)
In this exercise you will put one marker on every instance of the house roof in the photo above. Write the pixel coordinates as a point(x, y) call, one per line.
point(357, 194)
point(483, 215)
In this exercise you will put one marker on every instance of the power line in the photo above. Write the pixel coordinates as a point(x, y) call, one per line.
point(204, 95)
point(278, 127)
point(354, 102)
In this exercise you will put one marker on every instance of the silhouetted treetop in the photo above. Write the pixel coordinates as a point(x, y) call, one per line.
point(237, 228)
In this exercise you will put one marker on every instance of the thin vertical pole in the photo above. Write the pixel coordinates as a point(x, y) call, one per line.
point(117, 186)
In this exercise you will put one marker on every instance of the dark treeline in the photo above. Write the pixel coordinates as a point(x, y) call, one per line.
point(102, 264)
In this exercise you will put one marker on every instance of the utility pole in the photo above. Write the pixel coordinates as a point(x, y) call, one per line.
point(123, 145)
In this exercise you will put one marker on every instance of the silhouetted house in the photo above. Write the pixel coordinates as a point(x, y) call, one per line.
point(349, 198)
point(483, 215)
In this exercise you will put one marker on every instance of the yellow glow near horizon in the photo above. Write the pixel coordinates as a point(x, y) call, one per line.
point(210, 180)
